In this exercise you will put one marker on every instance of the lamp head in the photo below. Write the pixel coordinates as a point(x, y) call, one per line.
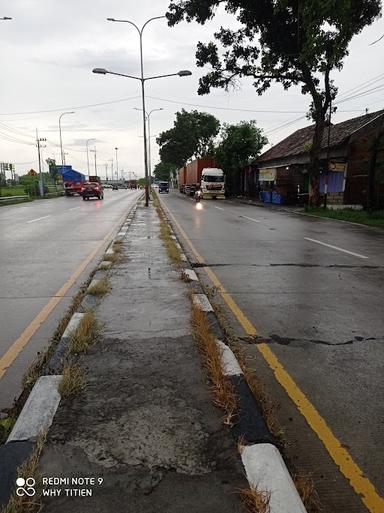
point(184, 73)
point(100, 71)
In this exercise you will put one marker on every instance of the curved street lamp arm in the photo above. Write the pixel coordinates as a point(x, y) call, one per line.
point(123, 75)
point(162, 76)
point(151, 19)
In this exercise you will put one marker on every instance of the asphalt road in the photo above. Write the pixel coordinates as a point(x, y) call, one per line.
point(44, 246)
point(313, 289)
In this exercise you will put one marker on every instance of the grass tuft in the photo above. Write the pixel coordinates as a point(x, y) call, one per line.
point(306, 489)
point(375, 218)
point(222, 389)
point(72, 382)
point(26, 504)
point(255, 501)
point(114, 258)
point(100, 288)
point(85, 335)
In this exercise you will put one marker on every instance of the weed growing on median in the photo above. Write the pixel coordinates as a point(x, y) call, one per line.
point(256, 501)
point(86, 334)
point(166, 234)
point(114, 258)
point(100, 288)
point(306, 488)
point(72, 382)
point(29, 469)
point(222, 388)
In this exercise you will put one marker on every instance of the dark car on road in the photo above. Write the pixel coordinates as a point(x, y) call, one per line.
point(92, 190)
point(163, 187)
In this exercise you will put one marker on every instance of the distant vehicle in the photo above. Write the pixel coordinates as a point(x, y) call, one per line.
point(132, 184)
point(115, 187)
point(163, 187)
point(92, 190)
point(73, 182)
point(202, 174)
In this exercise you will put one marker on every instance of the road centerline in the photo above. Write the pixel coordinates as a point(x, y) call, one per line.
point(337, 451)
point(219, 208)
point(38, 219)
point(336, 248)
point(74, 208)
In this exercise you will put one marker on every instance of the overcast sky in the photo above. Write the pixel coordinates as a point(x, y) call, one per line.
point(50, 47)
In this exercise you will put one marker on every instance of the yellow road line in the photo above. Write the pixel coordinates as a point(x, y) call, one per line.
point(14, 350)
point(343, 459)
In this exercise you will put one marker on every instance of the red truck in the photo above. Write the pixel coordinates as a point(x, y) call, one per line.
point(201, 174)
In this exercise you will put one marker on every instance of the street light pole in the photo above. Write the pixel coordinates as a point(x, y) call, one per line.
point(86, 145)
point(61, 140)
point(117, 165)
point(148, 115)
point(41, 184)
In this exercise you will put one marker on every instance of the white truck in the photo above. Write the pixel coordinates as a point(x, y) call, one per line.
point(212, 183)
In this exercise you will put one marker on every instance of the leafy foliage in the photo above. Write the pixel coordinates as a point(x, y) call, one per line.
point(240, 145)
point(164, 171)
point(290, 42)
point(192, 135)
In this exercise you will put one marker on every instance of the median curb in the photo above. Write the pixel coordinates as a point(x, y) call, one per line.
point(264, 466)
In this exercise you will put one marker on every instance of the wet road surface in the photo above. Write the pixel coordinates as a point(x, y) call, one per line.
point(43, 245)
point(314, 291)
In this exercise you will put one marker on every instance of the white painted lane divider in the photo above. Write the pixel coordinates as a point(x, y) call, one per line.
point(336, 248)
point(38, 219)
point(74, 208)
point(219, 208)
point(251, 219)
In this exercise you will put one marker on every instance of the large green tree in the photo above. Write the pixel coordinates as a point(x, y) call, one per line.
point(192, 135)
point(291, 42)
point(239, 145)
point(164, 171)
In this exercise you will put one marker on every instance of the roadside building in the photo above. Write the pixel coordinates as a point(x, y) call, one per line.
point(282, 171)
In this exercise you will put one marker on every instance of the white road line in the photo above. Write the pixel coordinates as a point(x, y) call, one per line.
point(38, 219)
point(219, 208)
point(74, 208)
point(250, 219)
point(335, 247)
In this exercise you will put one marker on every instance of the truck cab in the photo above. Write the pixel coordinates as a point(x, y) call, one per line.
point(212, 183)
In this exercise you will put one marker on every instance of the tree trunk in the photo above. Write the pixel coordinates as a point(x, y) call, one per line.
point(314, 160)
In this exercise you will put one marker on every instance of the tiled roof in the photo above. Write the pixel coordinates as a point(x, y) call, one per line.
point(295, 144)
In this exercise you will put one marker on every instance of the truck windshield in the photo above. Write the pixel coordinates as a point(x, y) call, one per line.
point(207, 178)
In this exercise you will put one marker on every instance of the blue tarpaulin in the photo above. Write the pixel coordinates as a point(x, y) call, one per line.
point(70, 174)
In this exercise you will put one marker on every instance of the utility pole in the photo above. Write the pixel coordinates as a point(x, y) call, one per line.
point(106, 171)
point(38, 141)
point(95, 162)
point(326, 174)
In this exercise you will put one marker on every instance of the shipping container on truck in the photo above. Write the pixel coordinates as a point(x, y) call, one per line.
point(181, 178)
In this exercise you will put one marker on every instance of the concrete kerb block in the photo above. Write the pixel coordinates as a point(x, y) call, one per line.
point(109, 252)
point(202, 302)
point(190, 275)
point(229, 363)
point(38, 411)
point(55, 362)
point(266, 470)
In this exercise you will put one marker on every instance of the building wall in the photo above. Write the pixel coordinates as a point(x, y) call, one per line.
point(360, 154)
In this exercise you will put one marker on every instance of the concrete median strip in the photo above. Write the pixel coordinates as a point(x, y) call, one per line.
point(38, 411)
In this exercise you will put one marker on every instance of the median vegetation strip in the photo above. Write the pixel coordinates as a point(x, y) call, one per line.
point(85, 335)
point(100, 287)
point(375, 218)
point(72, 382)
